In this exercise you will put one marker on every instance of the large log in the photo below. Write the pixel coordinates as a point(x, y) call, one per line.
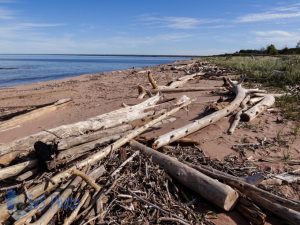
point(48, 186)
point(77, 151)
point(261, 106)
point(219, 194)
point(104, 121)
point(75, 141)
point(203, 122)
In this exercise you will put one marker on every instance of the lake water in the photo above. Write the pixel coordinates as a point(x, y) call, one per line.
point(20, 69)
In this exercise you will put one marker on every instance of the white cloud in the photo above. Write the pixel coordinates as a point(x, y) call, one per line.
point(174, 22)
point(278, 37)
point(283, 12)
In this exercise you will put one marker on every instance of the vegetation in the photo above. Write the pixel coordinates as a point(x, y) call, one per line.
point(281, 72)
point(270, 50)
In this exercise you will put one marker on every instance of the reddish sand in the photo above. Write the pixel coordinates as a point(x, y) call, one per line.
point(95, 94)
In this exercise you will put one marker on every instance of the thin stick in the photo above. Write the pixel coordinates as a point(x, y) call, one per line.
point(124, 163)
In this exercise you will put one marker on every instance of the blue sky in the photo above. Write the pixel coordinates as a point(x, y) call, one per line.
point(146, 26)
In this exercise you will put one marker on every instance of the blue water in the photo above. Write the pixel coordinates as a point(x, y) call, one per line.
point(20, 69)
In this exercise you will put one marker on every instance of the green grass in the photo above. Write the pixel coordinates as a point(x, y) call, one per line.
point(275, 71)
point(272, 71)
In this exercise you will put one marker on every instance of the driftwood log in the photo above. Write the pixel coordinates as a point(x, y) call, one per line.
point(276, 204)
point(219, 194)
point(261, 106)
point(14, 170)
point(104, 121)
point(203, 122)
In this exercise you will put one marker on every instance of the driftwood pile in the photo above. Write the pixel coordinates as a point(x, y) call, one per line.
point(98, 172)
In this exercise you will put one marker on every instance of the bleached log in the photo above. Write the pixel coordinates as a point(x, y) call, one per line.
point(255, 100)
point(104, 121)
point(48, 186)
point(77, 151)
point(203, 122)
point(15, 121)
point(217, 193)
point(7, 158)
point(14, 170)
point(74, 141)
point(237, 117)
point(143, 92)
point(261, 106)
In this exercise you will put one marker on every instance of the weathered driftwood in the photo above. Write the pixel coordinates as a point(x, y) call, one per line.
point(27, 174)
point(48, 186)
point(96, 173)
point(203, 122)
point(251, 211)
point(143, 92)
point(289, 215)
point(6, 159)
point(79, 150)
point(17, 120)
point(247, 189)
point(75, 141)
point(219, 194)
point(261, 106)
point(104, 121)
point(237, 117)
point(14, 170)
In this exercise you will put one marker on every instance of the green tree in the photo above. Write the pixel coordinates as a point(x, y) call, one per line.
point(271, 50)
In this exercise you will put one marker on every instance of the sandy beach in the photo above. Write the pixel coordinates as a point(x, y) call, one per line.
point(95, 94)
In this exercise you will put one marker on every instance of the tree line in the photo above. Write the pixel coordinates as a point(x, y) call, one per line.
point(270, 50)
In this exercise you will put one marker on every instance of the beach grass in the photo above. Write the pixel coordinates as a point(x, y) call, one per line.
point(279, 72)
